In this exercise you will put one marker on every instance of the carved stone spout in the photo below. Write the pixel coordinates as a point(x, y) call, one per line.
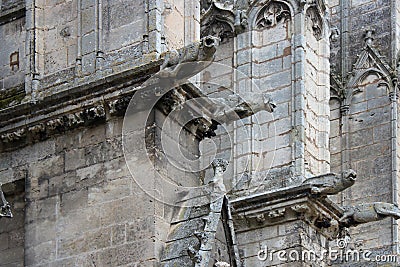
point(369, 212)
point(221, 264)
point(195, 55)
point(331, 183)
point(234, 108)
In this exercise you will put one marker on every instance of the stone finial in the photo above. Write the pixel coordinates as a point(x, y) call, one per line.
point(331, 183)
point(368, 212)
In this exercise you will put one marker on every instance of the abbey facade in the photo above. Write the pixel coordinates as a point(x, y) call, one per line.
point(199, 133)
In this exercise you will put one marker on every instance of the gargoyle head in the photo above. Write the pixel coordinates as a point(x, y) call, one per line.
point(350, 175)
point(210, 44)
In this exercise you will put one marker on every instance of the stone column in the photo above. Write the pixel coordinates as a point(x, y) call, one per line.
point(286, 53)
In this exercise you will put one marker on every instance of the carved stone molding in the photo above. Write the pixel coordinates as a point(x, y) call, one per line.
point(272, 14)
point(314, 22)
point(44, 129)
point(368, 62)
point(287, 205)
point(13, 136)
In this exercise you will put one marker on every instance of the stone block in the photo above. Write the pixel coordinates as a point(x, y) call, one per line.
point(90, 241)
point(47, 168)
point(109, 190)
point(75, 159)
point(118, 234)
point(75, 200)
point(125, 254)
point(88, 43)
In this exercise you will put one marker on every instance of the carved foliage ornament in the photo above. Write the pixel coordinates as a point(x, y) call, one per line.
point(221, 19)
point(273, 14)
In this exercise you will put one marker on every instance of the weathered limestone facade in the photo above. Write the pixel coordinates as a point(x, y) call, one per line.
point(282, 119)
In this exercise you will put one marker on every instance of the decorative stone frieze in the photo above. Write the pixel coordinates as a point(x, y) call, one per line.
point(13, 136)
point(278, 207)
point(44, 129)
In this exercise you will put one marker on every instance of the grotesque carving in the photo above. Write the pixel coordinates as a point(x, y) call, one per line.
point(272, 14)
point(277, 213)
point(234, 107)
point(219, 166)
point(5, 209)
point(331, 184)
point(369, 212)
point(314, 22)
point(202, 51)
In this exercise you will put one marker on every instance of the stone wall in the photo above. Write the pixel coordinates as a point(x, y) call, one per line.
point(81, 201)
point(12, 56)
point(12, 235)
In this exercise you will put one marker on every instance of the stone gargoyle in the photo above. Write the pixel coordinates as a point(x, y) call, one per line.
point(368, 212)
point(197, 57)
point(5, 209)
point(331, 183)
point(234, 107)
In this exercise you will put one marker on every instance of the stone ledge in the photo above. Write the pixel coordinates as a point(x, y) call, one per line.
point(289, 204)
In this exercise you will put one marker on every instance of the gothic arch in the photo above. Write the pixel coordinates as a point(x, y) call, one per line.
point(270, 13)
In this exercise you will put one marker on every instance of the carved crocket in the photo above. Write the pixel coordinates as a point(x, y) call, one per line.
point(369, 212)
point(331, 183)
